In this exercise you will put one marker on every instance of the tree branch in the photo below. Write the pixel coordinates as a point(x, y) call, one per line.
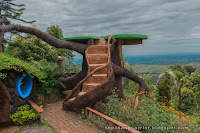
point(120, 71)
point(78, 47)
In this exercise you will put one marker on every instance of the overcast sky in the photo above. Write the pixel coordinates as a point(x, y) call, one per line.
point(172, 26)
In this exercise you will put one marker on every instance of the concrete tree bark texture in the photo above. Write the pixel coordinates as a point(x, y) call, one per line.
point(98, 93)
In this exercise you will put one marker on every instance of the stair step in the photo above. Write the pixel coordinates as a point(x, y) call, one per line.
point(97, 78)
point(102, 71)
point(89, 86)
point(97, 58)
point(97, 54)
point(96, 65)
point(99, 75)
point(97, 49)
point(81, 93)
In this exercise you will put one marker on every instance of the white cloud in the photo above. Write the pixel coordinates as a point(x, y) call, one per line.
point(168, 23)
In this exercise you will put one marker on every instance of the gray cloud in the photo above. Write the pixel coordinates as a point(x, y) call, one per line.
point(171, 25)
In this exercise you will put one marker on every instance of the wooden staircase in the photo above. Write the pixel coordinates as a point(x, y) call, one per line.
point(99, 73)
point(97, 55)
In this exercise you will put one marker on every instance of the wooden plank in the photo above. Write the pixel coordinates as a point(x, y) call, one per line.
point(5, 89)
point(35, 106)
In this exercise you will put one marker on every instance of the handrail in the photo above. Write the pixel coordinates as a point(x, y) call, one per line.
point(76, 88)
point(35, 106)
point(113, 125)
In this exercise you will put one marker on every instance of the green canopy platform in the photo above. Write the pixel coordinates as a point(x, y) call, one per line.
point(122, 39)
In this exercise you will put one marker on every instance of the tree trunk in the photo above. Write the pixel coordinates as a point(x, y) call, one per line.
point(71, 82)
point(118, 79)
point(180, 95)
point(1, 42)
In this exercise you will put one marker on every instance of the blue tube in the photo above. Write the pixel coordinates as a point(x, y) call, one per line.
point(26, 89)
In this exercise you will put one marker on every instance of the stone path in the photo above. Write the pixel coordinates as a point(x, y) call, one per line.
point(61, 119)
point(35, 130)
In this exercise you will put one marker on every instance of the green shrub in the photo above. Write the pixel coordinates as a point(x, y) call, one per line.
point(29, 47)
point(25, 113)
point(8, 62)
point(187, 100)
point(164, 90)
point(192, 82)
point(149, 113)
point(51, 83)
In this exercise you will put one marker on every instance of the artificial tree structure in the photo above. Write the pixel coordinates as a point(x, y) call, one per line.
point(100, 92)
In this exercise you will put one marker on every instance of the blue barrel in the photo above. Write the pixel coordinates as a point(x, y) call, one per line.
point(26, 89)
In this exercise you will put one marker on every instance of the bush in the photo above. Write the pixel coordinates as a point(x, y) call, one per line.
point(8, 62)
point(149, 113)
point(25, 113)
point(51, 83)
point(187, 100)
point(29, 47)
point(192, 82)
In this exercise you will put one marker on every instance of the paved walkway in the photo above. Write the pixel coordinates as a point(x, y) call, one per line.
point(61, 119)
point(9, 129)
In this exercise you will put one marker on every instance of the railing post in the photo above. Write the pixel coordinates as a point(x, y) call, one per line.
point(93, 118)
point(86, 113)
point(90, 115)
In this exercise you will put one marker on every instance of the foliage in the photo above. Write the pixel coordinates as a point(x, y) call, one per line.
point(168, 73)
point(110, 107)
point(180, 68)
point(166, 80)
point(55, 31)
point(10, 10)
point(29, 47)
point(189, 69)
point(164, 90)
point(25, 113)
point(51, 83)
point(187, 100)
point(8, 62)
point(149, 113)
point(67, 54)
point(192, 82)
